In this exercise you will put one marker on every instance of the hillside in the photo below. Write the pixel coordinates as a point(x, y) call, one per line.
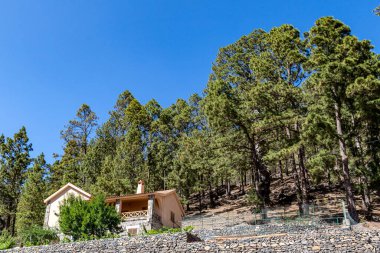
point(327, 201)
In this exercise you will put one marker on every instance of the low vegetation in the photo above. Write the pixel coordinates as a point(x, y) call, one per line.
point(6, 240)
point(31, 236)
point(86, 220)
point(166, 230)
point(36, 235)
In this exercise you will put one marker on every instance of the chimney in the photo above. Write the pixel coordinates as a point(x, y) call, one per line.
point(140, 187)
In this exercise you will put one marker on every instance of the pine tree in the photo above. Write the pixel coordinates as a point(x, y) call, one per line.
point(364, 108)
point(72, 167)
point(14, 162)
point(81, 128)
point(228, 103)
point(377, 11)
point(337, 60)
point(31, 209)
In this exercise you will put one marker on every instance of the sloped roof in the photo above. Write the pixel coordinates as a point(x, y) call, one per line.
point(65, 188)
point(165, 192)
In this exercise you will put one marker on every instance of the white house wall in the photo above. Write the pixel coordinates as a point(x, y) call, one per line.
point(53, 213)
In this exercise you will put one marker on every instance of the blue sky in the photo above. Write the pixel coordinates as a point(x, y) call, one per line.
point(57, 54)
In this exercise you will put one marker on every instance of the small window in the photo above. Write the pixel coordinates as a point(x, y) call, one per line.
point(132, 231)
point(172, 217)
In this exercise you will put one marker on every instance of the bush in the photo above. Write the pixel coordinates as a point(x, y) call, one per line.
point(188, 229)
point(6, 240)
point(65, 240)
point(36, 235)
point(166, 230)
point(254, 200)
point(86, 220)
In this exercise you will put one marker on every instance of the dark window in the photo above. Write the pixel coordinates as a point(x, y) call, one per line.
point(172, 217)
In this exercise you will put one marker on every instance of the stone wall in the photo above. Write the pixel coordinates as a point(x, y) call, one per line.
point(137, 223)
point(301, 239)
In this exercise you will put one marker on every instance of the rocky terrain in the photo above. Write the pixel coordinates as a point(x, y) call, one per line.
point(243, 238)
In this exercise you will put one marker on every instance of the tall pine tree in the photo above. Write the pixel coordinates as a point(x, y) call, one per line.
point(31, 209)
point(14, 162)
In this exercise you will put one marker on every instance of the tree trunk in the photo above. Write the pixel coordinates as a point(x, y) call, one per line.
point(329, 178)
point(8, 221)
point(297, 183)
point(262, 183)
point(346, 171)
point(262, 178)
point(303, 180)
point(13, 225)
point(212, 203)
point(366, 199)
point(296, 176)
point(187, 196)
point(228, 187)
point(280, 170)
point(242, 190)
point(200, 202)
point(365, 193)
point(286, 168)
point(253, 173)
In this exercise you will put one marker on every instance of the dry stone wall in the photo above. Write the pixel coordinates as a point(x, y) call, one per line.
point(301, 239)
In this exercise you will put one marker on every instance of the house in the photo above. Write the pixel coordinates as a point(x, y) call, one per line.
point(148, 210)
point(54, 201)
point(139, 212)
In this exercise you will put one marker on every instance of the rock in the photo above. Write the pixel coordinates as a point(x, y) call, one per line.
point(247, 238)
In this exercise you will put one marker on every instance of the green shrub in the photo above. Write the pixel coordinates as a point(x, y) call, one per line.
point(254, 200)
point(6, 240)
point(188, 229)
point(87, 220)
point(111, 236)
point(36, 235)
point(65, 240)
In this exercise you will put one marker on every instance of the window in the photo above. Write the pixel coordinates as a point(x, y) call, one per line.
point(132, 231)
point(172, 217)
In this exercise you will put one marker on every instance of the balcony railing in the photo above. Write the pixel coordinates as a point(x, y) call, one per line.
point(136, 214)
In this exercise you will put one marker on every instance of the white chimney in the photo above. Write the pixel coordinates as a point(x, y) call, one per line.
point(140, 187)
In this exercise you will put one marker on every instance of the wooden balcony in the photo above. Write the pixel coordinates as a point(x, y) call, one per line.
point(134, 215)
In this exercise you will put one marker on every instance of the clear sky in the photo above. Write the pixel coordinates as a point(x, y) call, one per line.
point(57, 54)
